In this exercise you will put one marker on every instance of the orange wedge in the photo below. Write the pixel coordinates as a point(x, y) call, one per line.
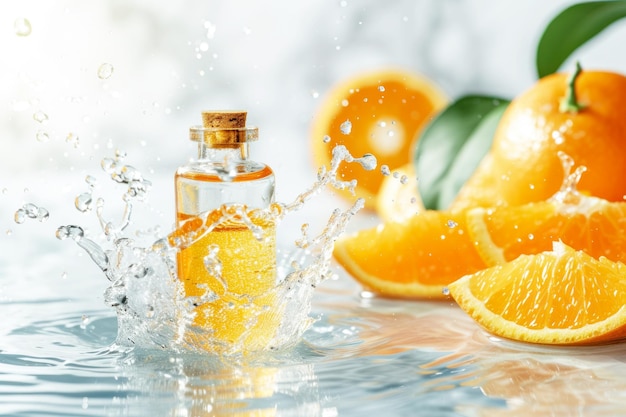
point(398, 197)
point(561, 296)
point(591, 224)
point(415, 258)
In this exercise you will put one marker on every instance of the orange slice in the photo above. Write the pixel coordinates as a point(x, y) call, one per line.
point(591, 224)
point(415, 258)
point(561, 296)
point(380, 113)
point(398, 198)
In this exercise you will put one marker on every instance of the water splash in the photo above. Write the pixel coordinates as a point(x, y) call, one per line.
point(568, 194)
point(150, 301)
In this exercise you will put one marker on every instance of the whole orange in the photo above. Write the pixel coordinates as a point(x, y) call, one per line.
point(522, 165)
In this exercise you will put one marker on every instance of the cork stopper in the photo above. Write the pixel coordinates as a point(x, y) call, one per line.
point(224, 129)
point(226, 119)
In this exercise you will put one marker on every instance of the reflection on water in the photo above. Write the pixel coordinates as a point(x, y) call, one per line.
point(361, 357)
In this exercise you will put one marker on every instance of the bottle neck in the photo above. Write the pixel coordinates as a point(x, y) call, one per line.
point(239, 152)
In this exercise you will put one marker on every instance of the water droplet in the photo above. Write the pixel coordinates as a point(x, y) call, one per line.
point(91, 181)
point(105, 71)
point(346, 127)
point(40, 117)
point(381, 88)
point(404, 180)
point(531, 236)
point(345, 103)
point(210, 29)
point(315, 94)
point(74, 232)
point(43, 214)
point(326, 139)
point(9, 232)
point(396, 174)
point(445, 291)
point(31, 210)
point(42, 136)
point(385, 170)
point(64, 275)
point(22, 27)
point(84, 202)
point(72, 139)
point(84, 321)
point(452, 224)
point(368, 161)
point(20, 216)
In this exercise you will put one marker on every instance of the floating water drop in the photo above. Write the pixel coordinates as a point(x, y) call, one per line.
point(381, 88)
point(367, 161)
point(74, 232)
point(326, 139)
point(210, 29)
point(42, 214)
point(346, 127)
point(84, 202)
point(71, 138)
point(445, 291)
point(404, 180)
point(22, 27)
point(105, 71)
point(91, 181)
point(385, 170)
point(452, 224)
point(20, 216)
point(40, 117)
point(42, 136)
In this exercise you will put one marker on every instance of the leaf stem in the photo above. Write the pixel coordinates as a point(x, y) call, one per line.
point(569, 103)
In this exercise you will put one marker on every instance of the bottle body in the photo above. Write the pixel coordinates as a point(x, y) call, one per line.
point(228, 178)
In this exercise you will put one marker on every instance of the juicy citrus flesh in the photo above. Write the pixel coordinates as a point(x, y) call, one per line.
point(593, 225)
point(522, 166)
point(379, 113)
point(246, 312)
point(398, 197)
point(415, 258)
point(561, 296)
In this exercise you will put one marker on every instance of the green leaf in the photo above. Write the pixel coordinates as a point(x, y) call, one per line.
point(452, 145)
point(571, 28)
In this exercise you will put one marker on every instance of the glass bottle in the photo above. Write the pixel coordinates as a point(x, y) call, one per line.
point(223, 180)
